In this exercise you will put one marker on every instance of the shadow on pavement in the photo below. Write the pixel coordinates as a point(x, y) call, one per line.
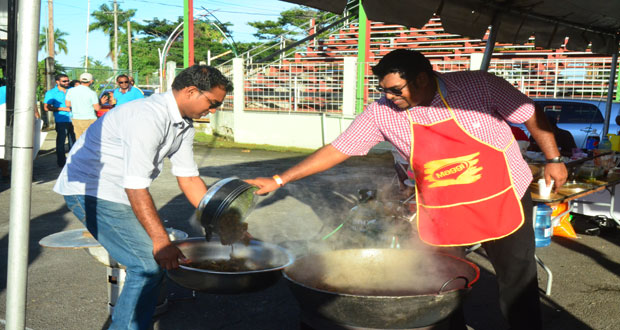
point(40, 227)
point(609, 235)
point(482, 310)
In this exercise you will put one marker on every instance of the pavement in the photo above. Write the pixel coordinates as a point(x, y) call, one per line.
point(67, 289)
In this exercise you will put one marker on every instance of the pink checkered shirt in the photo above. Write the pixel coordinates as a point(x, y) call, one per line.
point(483, 103)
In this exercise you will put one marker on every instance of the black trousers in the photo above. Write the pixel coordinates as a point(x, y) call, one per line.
point(512, 258)
point(63, 131)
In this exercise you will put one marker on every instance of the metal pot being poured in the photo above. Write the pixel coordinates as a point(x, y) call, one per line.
point(223, 210)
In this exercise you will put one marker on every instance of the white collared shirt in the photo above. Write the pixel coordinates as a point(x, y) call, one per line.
point(126, 149)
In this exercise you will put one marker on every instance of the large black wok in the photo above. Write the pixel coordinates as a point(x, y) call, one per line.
point(267, 259)
point(381, 288)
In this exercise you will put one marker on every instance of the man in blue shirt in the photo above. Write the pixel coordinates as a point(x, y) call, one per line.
point(55, 101)
point(124, 93)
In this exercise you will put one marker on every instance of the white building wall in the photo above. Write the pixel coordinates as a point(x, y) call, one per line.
point(300, 130)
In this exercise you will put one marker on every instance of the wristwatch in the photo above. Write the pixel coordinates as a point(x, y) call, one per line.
point(557, 159)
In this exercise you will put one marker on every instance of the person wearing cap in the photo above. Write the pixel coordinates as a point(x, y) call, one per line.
point(84, 103)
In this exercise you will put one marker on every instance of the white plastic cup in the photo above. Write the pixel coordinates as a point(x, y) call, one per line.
point(545, 190)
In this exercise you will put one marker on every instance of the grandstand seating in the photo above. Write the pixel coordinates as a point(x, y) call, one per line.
point(308, 79)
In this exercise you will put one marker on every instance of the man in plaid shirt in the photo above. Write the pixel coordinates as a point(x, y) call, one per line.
point(471, 181)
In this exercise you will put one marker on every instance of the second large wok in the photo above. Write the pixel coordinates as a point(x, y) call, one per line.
point(381, 288)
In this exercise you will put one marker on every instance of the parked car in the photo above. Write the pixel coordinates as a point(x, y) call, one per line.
point(580, 117)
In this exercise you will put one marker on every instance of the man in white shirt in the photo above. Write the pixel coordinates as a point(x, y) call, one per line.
point(108, 173)
point(84, 103)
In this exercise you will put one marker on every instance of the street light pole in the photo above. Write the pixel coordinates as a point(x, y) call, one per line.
point(115, 51)
point(50, 28)
point(87, 31)
point(129, 46)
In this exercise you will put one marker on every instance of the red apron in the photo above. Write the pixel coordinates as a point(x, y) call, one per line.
point(464, 190)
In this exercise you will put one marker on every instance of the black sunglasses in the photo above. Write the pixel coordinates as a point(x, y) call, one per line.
point(214, 104)
point(392, 90)
point(124, 82)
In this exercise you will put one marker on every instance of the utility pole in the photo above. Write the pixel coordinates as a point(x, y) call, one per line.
point(188, 33)
point(87, 31)
point(129, 46)
point(50, 28)
point(49, 61)
point(115, 51)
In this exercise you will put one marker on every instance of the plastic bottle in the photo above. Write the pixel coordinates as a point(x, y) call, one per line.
point(607, 161)
point(592, 140)
point(605, 144)
point(542, 225)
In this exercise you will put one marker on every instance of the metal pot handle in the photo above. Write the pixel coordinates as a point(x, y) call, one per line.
point(450, 281)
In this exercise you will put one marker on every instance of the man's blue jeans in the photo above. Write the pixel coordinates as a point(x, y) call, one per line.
point(118, 230)
point(63, 131)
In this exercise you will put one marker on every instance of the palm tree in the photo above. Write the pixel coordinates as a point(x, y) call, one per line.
point(104, 21)
point(59, 41)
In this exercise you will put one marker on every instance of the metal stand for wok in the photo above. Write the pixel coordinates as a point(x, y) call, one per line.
point(538, 260)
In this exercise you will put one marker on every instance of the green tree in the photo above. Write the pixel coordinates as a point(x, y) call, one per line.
point(153, 35)
point(59, 42)
point(288, 24)
point(103, 75)
point(41, 86)
point(104, 21)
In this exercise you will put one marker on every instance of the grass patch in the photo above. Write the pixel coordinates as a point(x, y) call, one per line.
point(213, 141)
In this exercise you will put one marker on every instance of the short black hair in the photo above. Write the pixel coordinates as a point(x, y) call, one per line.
point(60, 76)
point(121, 76)
point(407, 63)
point(203, 77)
point(74, 83)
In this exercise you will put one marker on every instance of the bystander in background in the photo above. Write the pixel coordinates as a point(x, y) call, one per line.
point(133, 84)
point(124, 93)
point(84, 103)
point(55, 101)
point(74, 83)
point(563, 138)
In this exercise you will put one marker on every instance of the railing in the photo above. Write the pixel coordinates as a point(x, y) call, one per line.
point(279, 42)
point(318, 87)
point(294, 87)
point(573, 78)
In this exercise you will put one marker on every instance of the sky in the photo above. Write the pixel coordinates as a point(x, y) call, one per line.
point(70, 17)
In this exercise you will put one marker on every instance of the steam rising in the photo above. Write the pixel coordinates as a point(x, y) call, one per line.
point(380, 272)
point(309, 220)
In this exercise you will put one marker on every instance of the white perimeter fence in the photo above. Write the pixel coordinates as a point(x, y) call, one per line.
point(324, 94)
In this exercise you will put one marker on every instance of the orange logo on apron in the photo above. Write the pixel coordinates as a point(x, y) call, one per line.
point(464, 191)
point(459, 170)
